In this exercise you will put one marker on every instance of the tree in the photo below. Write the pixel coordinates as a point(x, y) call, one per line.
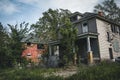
point(17, 33)
point(10, 45)
point(69, 35)
point(5, 52)
point(110, 10)
point(48, 26)
point(56, 23)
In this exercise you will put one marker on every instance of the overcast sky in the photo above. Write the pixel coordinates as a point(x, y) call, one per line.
point(17, 11)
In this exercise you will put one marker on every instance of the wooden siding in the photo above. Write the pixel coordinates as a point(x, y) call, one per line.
point(79, 27)
point(102, 38)
point(116, 37)
point(91, 26)
point(104, 45)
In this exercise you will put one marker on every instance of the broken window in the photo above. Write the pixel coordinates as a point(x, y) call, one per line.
point(85, 27)
point(40, 46)
point(28, 43)
point(108, 36)
point(115, 29)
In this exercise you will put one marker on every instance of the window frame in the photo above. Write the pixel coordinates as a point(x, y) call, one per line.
point(85, 28)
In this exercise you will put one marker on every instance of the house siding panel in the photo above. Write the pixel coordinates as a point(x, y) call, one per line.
point(79, 27)
point(116, 38)
point(102, 37)
point(92, 25)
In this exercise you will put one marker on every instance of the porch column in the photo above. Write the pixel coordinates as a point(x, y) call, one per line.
point(75, 55)
point(74, 49)
point(88, 44)
point(50, 50)
point(90, 54)
point(56, 52)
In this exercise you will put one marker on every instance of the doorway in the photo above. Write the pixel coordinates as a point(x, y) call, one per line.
point(111, 53)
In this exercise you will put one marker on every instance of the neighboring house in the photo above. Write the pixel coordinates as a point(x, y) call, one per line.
point(96, 34)
point(32, 48)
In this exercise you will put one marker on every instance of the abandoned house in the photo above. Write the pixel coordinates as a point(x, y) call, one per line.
point(96, 34)
point(33, 49)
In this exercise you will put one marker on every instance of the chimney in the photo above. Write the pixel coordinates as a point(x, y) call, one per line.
point(100, 13)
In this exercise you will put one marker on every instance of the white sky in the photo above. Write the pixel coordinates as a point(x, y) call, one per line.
point(17, 11)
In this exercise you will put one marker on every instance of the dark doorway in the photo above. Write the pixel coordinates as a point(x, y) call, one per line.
point(82, 50)
point(111, 53)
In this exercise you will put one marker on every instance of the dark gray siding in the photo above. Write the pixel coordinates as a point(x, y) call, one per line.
point(79, 27)
point(92, 25)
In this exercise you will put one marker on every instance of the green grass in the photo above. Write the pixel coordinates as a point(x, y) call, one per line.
point(102, 71)
point(26, 74)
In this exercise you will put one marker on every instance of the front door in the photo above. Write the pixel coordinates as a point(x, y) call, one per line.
point(111, 53)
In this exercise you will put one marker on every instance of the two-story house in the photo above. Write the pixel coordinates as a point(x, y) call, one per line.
point(96, 34)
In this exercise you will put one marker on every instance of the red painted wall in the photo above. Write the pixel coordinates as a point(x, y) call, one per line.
point(32, 53)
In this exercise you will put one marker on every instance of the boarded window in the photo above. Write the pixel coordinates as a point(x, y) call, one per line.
point(28, 43)
point(116, 46)
point(40, 46)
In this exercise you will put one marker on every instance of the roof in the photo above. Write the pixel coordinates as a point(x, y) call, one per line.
point(30, 38)
point(76, 13)
point(88, 15)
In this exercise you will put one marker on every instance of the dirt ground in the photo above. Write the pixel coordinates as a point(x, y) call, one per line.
point(66, 72)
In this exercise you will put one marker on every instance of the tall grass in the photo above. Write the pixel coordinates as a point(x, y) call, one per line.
point(102, 71)
point(28, 74)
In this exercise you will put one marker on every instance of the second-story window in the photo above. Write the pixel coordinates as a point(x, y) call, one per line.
point(108, 37)
point(115, 29)
point(119, 30)
point(85, 27)
point(112, 28)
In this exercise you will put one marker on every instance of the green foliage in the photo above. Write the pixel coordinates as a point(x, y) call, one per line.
point(29, 74)
point(17, 33)
point(67, 42)
point(110, 9)
point(48, 26)
point(102, 71)
point(10, 45)
point(56, 25)
point(5, 52)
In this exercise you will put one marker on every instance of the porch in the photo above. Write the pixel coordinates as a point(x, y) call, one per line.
point(88, 46)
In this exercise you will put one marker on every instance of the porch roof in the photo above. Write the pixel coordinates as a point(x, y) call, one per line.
point(85, 35)
point(54, 42)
